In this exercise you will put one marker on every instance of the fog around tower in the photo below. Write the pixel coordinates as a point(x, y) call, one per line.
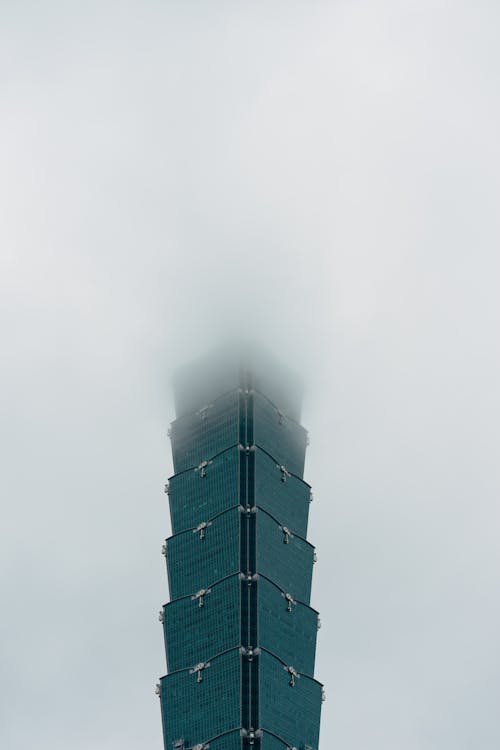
point(320, 177)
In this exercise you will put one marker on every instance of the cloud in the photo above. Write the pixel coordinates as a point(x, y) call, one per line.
point(322, 177)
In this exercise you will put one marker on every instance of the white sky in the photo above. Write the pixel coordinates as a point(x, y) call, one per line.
point(323, 176)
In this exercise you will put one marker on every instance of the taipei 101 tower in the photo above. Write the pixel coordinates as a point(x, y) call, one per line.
point(240, 634)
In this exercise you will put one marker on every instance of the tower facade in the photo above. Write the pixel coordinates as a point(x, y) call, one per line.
point(240, 634)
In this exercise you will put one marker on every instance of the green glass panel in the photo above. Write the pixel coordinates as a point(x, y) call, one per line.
point(198, 711)
point(288, 565)
point(270, 742)
point(195, 498)
point(231, 741)
point(200, 436)
point(288, 501)
point(279, 435)
point(195, 633)
point(290, 712)
point(287, 629)
point(194, 563)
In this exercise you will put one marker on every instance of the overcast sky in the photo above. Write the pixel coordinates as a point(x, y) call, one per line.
point(323, 176)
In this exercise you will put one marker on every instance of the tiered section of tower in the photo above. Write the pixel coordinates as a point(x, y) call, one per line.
point(240, 634)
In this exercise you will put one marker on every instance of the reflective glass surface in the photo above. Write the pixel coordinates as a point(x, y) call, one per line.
point(286, 628)
point(194, 498)
point(289, 564)
point(290, 712)
point(199, 710)
point(195, 633)
point(196, 563)
point(199, 436)
point(279, 435)
point(288, 500)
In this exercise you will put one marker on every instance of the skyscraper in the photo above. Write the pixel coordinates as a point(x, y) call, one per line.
point(240, 634)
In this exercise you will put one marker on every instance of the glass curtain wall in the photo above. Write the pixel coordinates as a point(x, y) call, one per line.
point(240, 633)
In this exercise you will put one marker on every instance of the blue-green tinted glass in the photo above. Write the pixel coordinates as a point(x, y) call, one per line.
point(290, 712)
point(288, 565)
point(229, 741)
point(270, 742)
point(200, 436)
point(279, 435)
point(194, 563)
point(195, 633)
point(198, 711)
point(195, 498)
point(288, 629)
point(288, 500)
